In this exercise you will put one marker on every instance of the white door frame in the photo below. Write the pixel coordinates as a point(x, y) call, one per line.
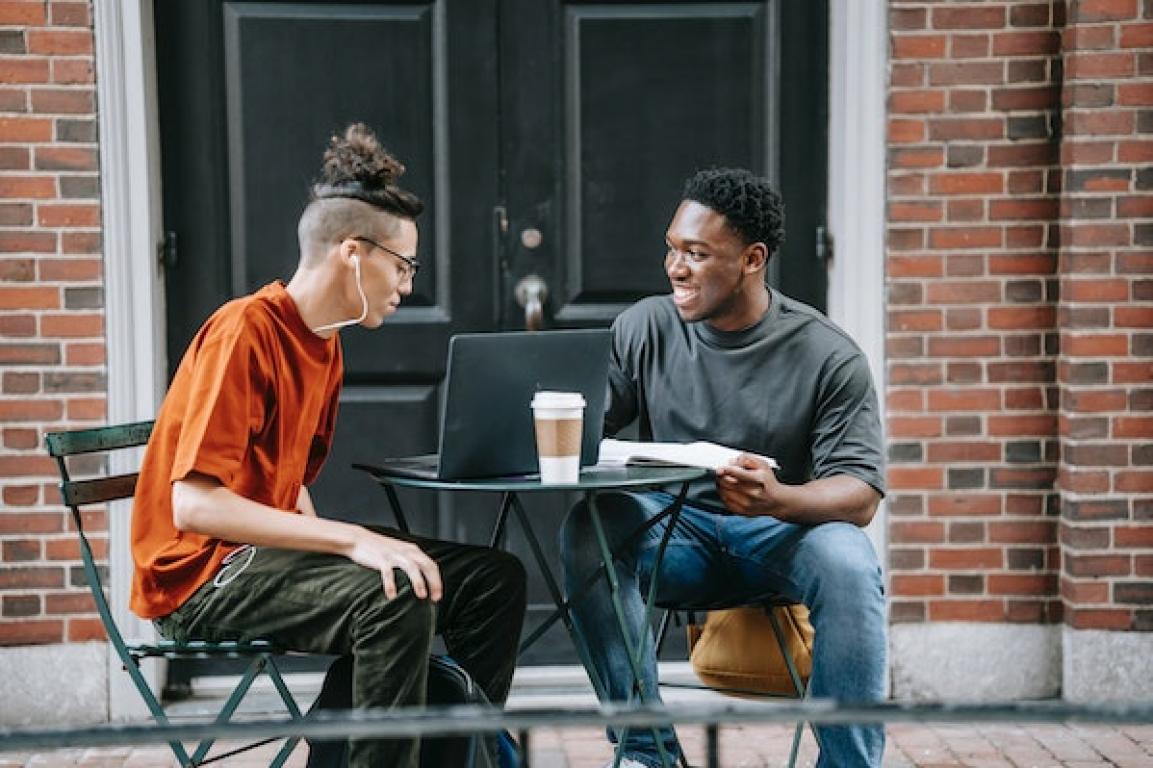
point(131, 187)
point(133, 282)
point(858, 47)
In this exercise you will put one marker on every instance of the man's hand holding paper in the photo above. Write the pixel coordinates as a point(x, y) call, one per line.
point(748, 486)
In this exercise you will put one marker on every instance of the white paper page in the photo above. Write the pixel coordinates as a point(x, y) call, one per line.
point(699, 454)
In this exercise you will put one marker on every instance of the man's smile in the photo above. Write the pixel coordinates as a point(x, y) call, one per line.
point(683, 294)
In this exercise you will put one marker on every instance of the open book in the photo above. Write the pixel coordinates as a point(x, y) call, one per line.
point(698, 454)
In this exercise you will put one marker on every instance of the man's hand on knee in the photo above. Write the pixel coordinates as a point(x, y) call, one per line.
point(386, 554)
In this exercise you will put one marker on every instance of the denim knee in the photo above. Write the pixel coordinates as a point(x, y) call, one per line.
point(841, 563)
point(575, 531)
point(620, 514)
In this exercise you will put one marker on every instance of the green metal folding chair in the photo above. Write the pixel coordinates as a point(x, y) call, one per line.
point(800, 689)
point(92, 490)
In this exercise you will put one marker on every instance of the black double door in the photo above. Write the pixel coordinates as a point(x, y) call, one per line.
point(549, 139)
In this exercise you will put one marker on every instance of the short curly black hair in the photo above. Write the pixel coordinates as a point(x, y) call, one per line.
point(749, 203)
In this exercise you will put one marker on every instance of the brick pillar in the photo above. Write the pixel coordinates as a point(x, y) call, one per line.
point(1106, 317)
point(51, 309)
point(971, 260)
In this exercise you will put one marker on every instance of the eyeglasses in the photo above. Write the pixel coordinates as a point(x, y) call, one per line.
point(411, 265)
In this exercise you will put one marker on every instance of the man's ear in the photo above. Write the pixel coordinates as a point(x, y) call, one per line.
point(348, 249)
point(756, 257)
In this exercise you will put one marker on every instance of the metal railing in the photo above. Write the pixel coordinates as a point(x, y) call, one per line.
point(407, 723)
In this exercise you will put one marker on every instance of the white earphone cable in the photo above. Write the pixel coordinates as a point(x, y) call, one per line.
point(363, 303)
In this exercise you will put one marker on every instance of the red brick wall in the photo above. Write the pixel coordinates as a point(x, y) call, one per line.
point(972, 337)
point(1020, 323)
point(1105, 316)
point(1020, 310)
point(52, 360)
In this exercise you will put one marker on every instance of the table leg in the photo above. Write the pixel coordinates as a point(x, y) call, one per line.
point(498, 530)
point(635, 651)
point(593, 578)
point(558, 598)
point(397, 512)
point(674, 513)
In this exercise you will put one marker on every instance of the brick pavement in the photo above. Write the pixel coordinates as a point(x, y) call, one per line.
point(745, 746)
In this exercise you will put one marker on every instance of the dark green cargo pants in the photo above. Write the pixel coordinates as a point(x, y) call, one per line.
point(317, 603)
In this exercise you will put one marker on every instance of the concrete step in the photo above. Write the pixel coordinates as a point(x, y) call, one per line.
point(532, 688)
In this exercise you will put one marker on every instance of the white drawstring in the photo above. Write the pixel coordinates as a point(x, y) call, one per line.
point(226, 575)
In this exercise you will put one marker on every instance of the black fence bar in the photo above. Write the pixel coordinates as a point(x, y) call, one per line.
point(404, 723)
point(712, 747)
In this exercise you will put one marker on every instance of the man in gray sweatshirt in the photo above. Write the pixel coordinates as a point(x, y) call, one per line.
point(728, 359)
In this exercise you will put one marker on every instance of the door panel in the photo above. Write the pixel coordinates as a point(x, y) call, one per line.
point(239, 157)
point(378, 421)
point(279, 57)
point(803, 88)
point(384, 65)
point(546, 137)
point(647, 94)
point(648, 101)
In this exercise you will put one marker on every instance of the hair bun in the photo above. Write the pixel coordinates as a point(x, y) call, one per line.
point(357, 157)
point(357, 166)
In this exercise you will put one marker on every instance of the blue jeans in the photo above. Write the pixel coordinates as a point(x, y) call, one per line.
point(716, 560)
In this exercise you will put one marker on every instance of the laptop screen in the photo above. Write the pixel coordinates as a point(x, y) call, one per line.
point(486, 421)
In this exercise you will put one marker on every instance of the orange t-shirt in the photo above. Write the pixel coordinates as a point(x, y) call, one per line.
point(253, 404)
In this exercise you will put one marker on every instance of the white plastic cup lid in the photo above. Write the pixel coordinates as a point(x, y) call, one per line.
point(545, 399)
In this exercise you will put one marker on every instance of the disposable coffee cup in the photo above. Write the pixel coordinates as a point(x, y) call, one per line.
point(558, 417)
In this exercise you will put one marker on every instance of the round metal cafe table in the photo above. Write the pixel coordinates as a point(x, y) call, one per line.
point(593, 480)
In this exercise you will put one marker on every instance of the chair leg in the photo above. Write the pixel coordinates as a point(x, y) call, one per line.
point(798, 731)
point(290, 702)
point(794, 674)
point(132, 667)
point(662, 630)
point(798, 686)
point(286, 696)
point(230, 706)
point(284, 753)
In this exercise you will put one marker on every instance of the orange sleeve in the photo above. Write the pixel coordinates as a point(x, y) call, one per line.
point(224, 403)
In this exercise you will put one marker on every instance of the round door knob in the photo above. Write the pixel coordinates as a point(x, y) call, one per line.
point(531, 238)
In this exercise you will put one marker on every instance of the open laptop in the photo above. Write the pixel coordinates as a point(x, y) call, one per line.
point(486, 424)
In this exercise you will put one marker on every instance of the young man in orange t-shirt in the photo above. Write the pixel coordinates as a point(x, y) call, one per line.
point(226, 540)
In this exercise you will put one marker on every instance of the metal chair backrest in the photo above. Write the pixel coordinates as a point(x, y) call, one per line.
point(77, 493)
point(98, 486)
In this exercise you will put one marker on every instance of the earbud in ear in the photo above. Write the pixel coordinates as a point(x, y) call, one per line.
point(363, 301)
